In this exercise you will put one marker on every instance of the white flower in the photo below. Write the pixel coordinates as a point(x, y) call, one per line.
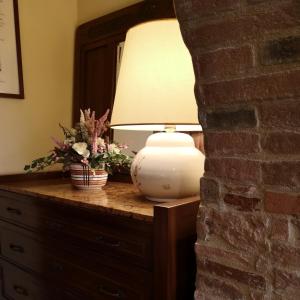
point(86, 153)
point(113, 148)
point(81, 149)
point(100, 142)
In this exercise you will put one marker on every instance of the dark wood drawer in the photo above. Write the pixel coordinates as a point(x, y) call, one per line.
point(20, 285)
point(19, 212)
point(97, 277)
point(107, 235)
point(21, 249)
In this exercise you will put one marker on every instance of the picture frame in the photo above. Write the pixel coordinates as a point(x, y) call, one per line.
point(11, 74)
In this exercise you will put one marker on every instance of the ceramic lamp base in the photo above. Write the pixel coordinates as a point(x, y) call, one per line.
point(169, 167)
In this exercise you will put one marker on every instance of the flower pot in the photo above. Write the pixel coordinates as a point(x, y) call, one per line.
point(84, 178)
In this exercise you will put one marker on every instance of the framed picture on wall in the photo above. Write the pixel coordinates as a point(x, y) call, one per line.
point(11, 78)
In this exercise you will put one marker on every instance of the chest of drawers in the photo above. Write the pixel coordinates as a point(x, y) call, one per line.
point(57, 242)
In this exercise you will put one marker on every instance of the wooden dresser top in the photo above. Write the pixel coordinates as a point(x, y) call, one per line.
point(115, 198)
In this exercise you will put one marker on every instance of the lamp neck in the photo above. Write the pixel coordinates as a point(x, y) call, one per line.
point(170, 128)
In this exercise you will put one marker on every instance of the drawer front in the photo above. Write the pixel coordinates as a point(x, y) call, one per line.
point(19, 212)
point(115, 239)
point(87, 275)
point(105, 240)
point(20, 285)
point(106, 283)
point(21, 249)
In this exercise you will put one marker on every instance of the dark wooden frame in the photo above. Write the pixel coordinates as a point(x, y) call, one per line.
point(175, 262)
point(20, 95)
point(110, 30)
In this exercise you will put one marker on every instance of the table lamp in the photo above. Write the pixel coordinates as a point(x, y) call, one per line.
point(155, 91)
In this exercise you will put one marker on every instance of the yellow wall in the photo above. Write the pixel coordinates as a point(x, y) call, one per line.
point(91, 9)
point(47, 40)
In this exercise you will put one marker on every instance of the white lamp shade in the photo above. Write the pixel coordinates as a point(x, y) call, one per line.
point(156, 80)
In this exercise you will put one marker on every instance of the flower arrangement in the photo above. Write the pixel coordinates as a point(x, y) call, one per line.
point(85, 144)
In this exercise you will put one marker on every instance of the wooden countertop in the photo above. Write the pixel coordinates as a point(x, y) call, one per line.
point(116, 197)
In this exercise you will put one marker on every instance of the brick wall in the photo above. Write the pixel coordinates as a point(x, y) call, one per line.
point(246, 56)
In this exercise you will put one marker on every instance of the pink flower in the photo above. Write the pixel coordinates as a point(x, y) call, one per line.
point(123, 146)
point(94, 143)
point(85, 161)
point(60, 144)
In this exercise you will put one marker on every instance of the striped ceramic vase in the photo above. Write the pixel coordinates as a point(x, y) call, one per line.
point(84, 178)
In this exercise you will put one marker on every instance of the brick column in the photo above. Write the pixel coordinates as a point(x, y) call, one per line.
point(246, 56)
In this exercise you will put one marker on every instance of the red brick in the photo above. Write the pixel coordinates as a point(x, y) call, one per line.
point(257, 295)
point(265, 87)
point(277, 297)
point(195, 8)
point(262, 263)
point(287, 284)
point(210, 190)
point(231, 143)
point(244, 28)
point(284, 296)
point(279, 229)
point(285, 255)
point(243, 232)
point(250, 191)
point(234, 169)
point(257, 1)
point(242, 203)
point(202, 228)
point(282, 173)
point(295, 231)
point(280, 115)
point(285, 280)
point(215, 289)
point(224, 63)
point(230, 119)
point(238, 259)
point(281, 143)
point(248, 278)
point(280, 51)
point(282, 203)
